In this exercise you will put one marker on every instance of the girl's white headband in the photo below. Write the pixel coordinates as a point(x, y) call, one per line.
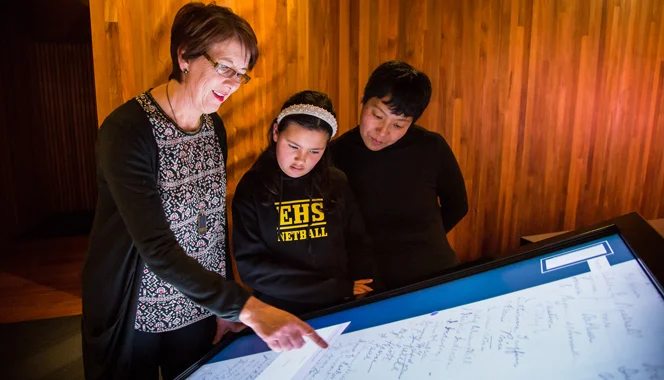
point(309, 109)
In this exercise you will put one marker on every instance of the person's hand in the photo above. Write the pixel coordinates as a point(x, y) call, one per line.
point(224, 326)
point(360, 287)
point(282, 331)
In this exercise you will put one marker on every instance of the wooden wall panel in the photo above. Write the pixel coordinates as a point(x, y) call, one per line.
point(7, 193)
point(68, 116)
point(47, 127)
point(555, 109)
point(21, 153)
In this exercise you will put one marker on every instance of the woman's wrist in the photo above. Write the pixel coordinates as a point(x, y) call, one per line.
point(251, 309)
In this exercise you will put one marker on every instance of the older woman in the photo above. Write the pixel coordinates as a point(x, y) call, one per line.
point(157, 286)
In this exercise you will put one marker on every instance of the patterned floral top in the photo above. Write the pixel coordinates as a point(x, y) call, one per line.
point(192, 182)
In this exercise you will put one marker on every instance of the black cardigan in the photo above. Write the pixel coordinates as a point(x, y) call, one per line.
point(130, 229)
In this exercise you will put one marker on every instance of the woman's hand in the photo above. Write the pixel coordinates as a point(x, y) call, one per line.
point(282, 331)
point(224, 326)
point(360, 286)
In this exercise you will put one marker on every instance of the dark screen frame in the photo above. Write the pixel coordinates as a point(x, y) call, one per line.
point(641, 238)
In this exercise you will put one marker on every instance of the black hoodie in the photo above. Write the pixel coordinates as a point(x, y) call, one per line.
point(411, 194)
point(294, 251)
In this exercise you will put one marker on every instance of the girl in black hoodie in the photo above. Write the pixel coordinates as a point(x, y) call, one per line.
point(298, 238)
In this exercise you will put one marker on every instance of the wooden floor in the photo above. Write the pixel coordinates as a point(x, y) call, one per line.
point(41, 279)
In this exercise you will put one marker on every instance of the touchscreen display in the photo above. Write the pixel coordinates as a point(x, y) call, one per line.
point(586, 312)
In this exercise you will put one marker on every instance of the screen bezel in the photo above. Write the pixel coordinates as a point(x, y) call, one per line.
point(646, 244)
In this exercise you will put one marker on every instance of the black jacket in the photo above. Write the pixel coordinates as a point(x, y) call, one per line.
point(295, 253)
point(411, 194)
point(130, 230)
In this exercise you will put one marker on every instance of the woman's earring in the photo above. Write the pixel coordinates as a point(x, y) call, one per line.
point(185, 71)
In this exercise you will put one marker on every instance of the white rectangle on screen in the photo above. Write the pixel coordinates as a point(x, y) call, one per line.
point(599, 264)
point(576, 256)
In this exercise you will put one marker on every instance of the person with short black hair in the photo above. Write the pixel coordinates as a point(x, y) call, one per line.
point(406, 179)
point(157, 287)
point(298, 238)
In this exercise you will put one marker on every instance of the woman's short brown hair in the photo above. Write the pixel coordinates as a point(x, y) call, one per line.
point(198, 26)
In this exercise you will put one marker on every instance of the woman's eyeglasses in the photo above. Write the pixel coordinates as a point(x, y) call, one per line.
point(227, 72)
